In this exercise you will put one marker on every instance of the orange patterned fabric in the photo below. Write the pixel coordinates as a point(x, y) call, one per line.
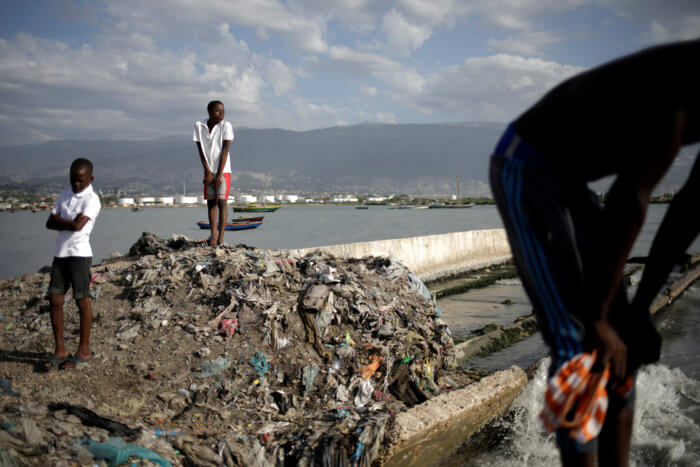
point(577, 399)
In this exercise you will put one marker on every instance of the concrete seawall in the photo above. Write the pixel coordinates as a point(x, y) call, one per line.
point(431, 256)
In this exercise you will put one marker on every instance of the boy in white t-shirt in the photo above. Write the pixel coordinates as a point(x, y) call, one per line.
point(213, 138)
point(73, 216)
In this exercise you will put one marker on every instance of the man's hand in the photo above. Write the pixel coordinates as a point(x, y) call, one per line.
point(208, 177)
point(610, 349)
point(219, 180)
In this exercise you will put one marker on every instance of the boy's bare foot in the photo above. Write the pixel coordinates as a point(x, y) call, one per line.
point(212, 242)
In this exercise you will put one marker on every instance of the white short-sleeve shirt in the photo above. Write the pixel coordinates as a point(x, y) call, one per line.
point(212, 142)
point(68, 206)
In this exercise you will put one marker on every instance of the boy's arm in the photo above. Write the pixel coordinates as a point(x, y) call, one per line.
point(677, 231)
point(623, 217)
point(222, 163)
point(208, 176)
point(56, 222)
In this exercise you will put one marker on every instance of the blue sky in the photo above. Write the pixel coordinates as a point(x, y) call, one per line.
point(142, 69)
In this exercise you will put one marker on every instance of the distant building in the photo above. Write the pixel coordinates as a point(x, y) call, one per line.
point(146, 200)
point(310, 200)
point(231, 198)
point(376, 199)
point(344, 199)
point(126, 201)
point(268, 198)
point(165, 200)
point(248, 199)
point(290, 198)
point(182, 199)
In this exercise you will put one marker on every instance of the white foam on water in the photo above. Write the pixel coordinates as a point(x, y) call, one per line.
point(666, 430)
point(509, 282)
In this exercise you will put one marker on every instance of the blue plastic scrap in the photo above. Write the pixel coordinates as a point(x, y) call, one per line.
point(259, 363)
point(116, 451)
point(6, 388)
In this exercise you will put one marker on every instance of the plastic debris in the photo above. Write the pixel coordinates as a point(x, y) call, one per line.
point(259, 364)
point(117, 451)
point(6, 388)
point(309, 373)
point(214, 367)
point(228, 326)
point(274, 321)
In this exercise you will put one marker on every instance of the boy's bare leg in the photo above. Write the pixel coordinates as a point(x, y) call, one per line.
point(223, 217)
point(615, 438)
point(85, 324)
point(56, 301)
point(211, 207)
point(577, 459)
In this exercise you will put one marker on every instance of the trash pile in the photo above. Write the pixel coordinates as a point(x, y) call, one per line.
point(223, 356)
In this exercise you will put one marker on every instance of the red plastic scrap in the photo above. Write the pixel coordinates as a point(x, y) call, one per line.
point(378, 395)
point(228, 326)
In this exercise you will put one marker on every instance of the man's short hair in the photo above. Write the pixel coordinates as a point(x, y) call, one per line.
point(81, 164)
point(211, 105)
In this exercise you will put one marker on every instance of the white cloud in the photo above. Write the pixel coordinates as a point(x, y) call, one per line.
point(173, 17)
point(496, 87)
point(532, 43)
point(280, 76)
point(402, 36)
point(664, 20)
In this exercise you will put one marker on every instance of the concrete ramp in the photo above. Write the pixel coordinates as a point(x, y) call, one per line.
point(432, 431)
point(431, 256)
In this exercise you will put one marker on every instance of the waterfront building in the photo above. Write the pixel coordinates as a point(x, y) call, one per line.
point(247, 199)
point(182, 199)
point(146, 200)
point(126, 201)
point(165, 200)
point(290, 198)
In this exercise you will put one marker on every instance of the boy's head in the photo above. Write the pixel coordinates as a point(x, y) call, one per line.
point(80, 174)
point(216, 111)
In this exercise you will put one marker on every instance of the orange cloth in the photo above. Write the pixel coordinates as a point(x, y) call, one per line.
point(370, 369)
point(575, 389)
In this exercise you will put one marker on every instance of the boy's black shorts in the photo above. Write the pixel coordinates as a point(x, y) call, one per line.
point(71, 271)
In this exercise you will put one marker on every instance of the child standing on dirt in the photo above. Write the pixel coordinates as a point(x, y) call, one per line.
point(213, 138)
point(73, 216)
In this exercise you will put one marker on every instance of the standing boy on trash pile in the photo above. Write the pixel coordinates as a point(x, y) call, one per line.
point(213, 138)
point(73, 215)
point(627, 118)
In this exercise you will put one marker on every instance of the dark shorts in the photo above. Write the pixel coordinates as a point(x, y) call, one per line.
point(71, 271)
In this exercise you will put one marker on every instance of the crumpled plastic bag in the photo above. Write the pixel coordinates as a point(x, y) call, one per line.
point(214, 367)
point(117, 451)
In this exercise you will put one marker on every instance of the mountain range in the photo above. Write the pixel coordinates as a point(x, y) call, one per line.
point(364, 158)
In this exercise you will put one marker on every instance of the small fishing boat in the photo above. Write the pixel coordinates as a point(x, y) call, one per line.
point(243, 220)
point(231, 225)
point(361, 206)
point(257, 208)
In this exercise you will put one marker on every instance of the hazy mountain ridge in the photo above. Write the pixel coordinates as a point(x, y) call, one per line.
point(363, 158)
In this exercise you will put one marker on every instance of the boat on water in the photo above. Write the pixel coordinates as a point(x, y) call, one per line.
point(232, 225)
point(243, 220)
point(361, 206)
point(420, 206)
point(257, 208)
point(136, 209)
point(450, 206)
